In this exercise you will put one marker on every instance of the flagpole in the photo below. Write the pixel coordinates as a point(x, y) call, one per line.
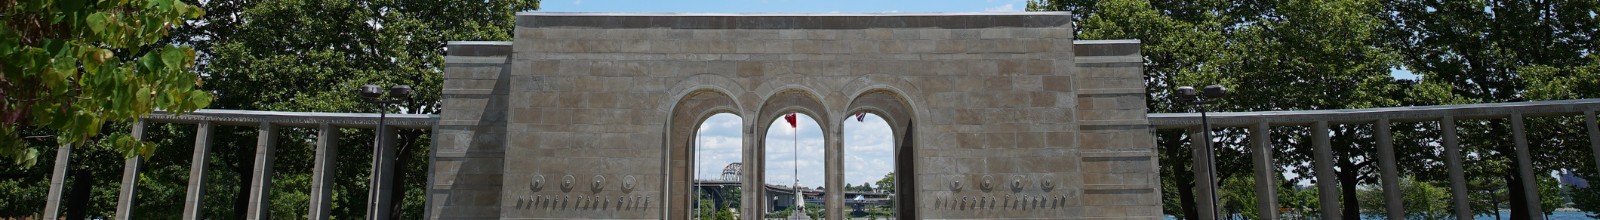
point(695, 174)
point(799, 198)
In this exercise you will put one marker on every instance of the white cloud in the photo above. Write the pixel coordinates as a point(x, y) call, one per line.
point(577, 2)
point(868, 149)
point(1008, 7)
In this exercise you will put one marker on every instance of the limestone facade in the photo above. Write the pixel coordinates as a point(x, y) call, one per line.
point(995, 115)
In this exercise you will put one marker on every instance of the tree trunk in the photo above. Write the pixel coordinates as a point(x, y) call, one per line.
point(82, 186)
point(1348, 178)
point(1514, 191)
point(243, 161)
point(406, 149)
point(1181, 174)
point(1513, 182)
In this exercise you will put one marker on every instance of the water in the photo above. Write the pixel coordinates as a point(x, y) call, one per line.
point(1503, 215)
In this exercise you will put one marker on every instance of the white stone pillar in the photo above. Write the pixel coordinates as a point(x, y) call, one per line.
point(378, 197)
point(1530, 188)
point(1458, 176)
point(58, 178)
point(1594, 135)
point(261, 175)
point(753, 198)
point(323, 171)
point(198, 162)
point(1388, 171)
point(1266, 173)
point(833, 136)
point(130, 177)
point(1202, 174)
point(1327, 183)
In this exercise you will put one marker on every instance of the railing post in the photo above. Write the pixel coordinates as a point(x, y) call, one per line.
point(1387, 169)
point(1594, 135)
point(1530, 188)
point(58, 178)
point(1458, 176)
point(323, 171)
point(1266, 174)
point(197, 171)
point(130, 177)
point(1327, 191)
point(378, 198)
point(1202, 175)
point(261, 179)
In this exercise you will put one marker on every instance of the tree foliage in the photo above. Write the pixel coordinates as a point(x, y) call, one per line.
point(289, 55)
point(310, 56)
point(1305, 55)
point(71, 66)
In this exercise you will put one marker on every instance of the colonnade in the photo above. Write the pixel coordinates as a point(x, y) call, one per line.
point(267, 124)
point(1259, 125)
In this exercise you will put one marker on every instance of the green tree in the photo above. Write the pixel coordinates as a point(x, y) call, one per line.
point(1237, 196)
point(1587, 199)
point(1261, 50)
point(310, 56)
point(886, 184)
point(1422, 200)
point(70, 67)
point(1490, 51)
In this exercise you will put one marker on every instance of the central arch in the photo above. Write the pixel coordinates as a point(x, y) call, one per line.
point(783, 101)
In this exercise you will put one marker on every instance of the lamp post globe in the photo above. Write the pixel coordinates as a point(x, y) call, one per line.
point(371, 91)
point(404, 92)
point(1216, 91)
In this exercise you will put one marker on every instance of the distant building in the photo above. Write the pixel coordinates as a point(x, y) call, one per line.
point(1567, 177)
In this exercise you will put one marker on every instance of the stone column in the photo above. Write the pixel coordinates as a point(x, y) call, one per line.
point(261, 177)
point(1266, 172)
point(323, 171)
point(833, 136)
point(1594, 135)
point(378, 197)
point(198, 162)
point(1525, 169)
point(1458, 176)
point(1327, 190)
point(130, 177)
point(1202, 175)
point(58, 178)
point(1388, 171)
point(753, 198)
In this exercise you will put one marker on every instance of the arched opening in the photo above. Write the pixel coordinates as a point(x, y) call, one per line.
point(691, 115)
point(897, 114)
point(795, 173)
point(718, 167)
point(869, 163)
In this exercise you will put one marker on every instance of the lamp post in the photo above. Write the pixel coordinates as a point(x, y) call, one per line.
point(383, 155)
point(1187, 94)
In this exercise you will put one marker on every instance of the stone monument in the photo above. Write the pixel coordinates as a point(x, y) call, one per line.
point(995, 115)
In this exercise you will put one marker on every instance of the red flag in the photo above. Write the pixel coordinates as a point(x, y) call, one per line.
point(861, 116)
point(791, 119)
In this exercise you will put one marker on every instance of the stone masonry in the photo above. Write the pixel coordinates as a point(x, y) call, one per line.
point(995, 115)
